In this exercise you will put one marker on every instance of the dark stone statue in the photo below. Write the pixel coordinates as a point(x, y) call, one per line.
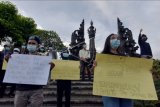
point(74, 38)
point(91, 33)
point(127, 46)
point(77, 41)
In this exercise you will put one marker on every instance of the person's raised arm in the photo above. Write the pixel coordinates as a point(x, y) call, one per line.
point(140, 38)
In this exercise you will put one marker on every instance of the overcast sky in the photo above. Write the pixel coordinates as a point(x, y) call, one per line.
point(64, 16)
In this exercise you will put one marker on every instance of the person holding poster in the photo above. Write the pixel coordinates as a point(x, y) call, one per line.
point(30, 93)
point(111, 47)
point(4, 56)
point(64, 86)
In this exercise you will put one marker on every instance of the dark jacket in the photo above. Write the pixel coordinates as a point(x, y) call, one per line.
point(1, 60)
point(145, 48)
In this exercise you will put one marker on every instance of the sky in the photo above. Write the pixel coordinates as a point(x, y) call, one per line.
point(65, 16)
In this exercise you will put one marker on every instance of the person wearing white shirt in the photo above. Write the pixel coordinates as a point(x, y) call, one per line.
point(84, 55)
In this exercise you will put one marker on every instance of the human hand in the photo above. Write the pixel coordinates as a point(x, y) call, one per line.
point(7, 57)
point(83, 59)
point(94, 63)
point(52, 65)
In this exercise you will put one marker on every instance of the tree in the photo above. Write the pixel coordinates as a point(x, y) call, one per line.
point(50, 39)
point(26, 25)
point(13, 25)
point(8, 13)
point(17, 28)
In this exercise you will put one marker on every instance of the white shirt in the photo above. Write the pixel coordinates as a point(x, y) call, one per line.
point(84, 53)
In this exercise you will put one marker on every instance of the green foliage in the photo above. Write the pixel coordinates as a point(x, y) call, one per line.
point(13, 25)
point(50, 39)
point(156, 65)
point(19, 28)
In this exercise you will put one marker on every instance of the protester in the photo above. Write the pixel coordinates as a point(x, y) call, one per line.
point(1, 75)
point(4, 56)
point(42, 51)
point(13, 86)
point(7, 49)
point(52, 52)
point(111, 47)
point(64, 86)
point(84, 55)
point(32, 94)
point(145, 48)
point(23, 49)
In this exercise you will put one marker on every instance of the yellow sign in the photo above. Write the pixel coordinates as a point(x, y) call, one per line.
point(66, 70)
point(124, 77)
point(4, 65)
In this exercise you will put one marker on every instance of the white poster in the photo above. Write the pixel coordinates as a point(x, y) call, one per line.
point(27, 69)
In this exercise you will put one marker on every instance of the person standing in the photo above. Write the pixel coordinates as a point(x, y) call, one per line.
point(4, 55)
point(84, 55)
point(111, 47)
point(64, 86)
point(145, 48)
point(30, 93)
point(13, 86)
point(1, 75)
point(52, 52)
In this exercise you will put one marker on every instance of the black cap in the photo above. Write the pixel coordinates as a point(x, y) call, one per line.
point(36, 38)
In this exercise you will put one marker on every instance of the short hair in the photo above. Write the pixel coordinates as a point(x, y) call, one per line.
point(36, 38)
point(143, 35)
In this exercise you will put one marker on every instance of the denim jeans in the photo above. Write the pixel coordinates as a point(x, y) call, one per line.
point(116, 102)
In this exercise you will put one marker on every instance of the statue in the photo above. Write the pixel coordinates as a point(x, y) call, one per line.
point(74, 38)
point(91, 33)
point(77, 41)
point(127, 46)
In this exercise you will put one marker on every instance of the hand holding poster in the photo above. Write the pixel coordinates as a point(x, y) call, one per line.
point(66, 70)
point(27, 69)
point(124, 77)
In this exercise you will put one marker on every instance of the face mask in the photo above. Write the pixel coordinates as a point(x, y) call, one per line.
point(65, 55)
point(115, 43)
point(32, 48)
point(42, 50)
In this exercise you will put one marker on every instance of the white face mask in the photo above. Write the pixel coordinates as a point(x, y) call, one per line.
point(32, 48)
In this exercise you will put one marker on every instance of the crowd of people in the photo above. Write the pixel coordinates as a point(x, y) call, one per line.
point(24, 93)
